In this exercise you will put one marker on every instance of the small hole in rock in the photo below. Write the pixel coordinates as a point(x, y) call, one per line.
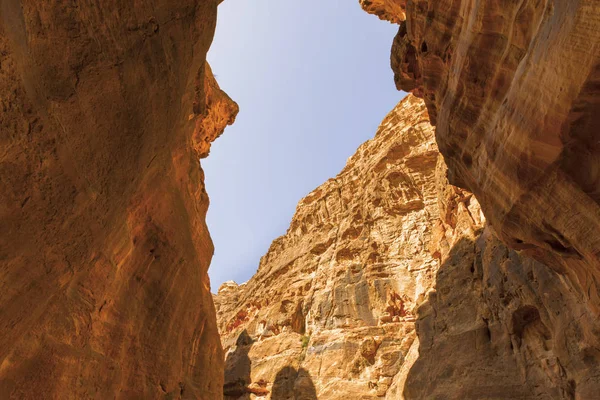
point(467, 160)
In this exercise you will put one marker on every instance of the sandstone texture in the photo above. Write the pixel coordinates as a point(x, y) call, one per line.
point(389, 284)
point(332, 300)
point(497, 324)
point(105, 109)
point(513, 90)
point(389, 10)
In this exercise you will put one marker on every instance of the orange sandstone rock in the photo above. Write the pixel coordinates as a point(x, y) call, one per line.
point(512, 88)
point(103, 247)
point(389, 284)
point(330, 306)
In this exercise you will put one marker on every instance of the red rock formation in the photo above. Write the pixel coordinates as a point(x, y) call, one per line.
point(512, 88)
point(329, 310)
point(513, 91)
point(105, 110)
point(390, 10)
point(498, 324)
point(332, 307)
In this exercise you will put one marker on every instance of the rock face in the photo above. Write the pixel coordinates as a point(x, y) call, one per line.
point(390, 10)
point(388, 284)
point(496, 323)
point(331, 304)
point(512, 88)
point(106, 108)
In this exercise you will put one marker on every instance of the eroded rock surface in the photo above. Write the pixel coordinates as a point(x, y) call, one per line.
point(388, 284)
point(389, 10)
point(512, 88)
point(497, 324)
point(333, 299)
point(106, 108)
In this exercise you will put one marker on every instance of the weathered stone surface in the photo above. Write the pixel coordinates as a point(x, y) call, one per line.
point(332, 307)
point(104, 112)
point(512, 88)
point(105, 109)
point(497, 324)
point(331, 303)
point(389, 10)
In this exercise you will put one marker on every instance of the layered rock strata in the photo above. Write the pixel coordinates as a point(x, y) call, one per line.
point(512, 88)
point(105, 110)
point(388, 284)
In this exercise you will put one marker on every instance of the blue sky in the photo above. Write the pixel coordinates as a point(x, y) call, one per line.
point(313, 82)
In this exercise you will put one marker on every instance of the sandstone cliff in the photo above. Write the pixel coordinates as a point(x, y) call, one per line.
point(105, 109)
point(333, 297)
point(512, 88)
point(388, 284)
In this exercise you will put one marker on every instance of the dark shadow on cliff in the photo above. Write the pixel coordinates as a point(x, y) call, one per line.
point(459, 356)
point(238, 368)
point(292, 384)
point(487, 331)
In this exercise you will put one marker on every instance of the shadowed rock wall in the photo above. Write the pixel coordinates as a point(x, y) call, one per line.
point(498, 324)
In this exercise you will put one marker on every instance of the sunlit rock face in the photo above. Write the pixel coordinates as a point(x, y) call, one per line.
point(388, 284)
point(512, 88)
point(106, 108)
point(332, 302)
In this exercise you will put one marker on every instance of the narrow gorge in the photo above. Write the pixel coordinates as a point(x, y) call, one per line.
point(456, 256)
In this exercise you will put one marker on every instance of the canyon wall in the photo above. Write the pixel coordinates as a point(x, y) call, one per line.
point(106, 108)
point(389, 284)
point(513, 90)
point(331, 302)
